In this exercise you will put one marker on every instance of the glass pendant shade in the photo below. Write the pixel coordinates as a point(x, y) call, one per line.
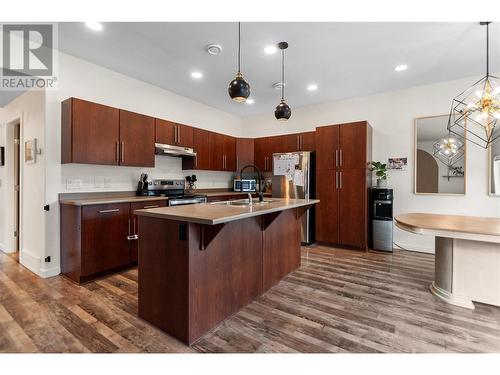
point(449, 150)
point(239, 89)
point(476, 111)
point(282, 111)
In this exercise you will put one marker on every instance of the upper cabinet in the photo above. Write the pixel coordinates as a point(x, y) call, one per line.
point(201, 145)
point(137, 138)
point(171, 133)
point(90, 133)
point(327, 144)
point(298, 142)
point(214, 151)
point(244, 152)
point(93, 133)
point(263, 151)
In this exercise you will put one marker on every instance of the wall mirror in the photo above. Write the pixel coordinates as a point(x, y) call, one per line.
point(440, 157)
point(494, 169)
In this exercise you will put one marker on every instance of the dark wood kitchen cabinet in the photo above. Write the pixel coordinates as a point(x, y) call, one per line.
point(299, 142)
point(172, 133)
point(263, 151)
point(201, 145)
point(134, 245)
point(90, 133)
point(93, 133)
point(216, 142)
point(342, 181)
point(229, 150)
point(137, 140)
point(98, 239)
point(244, 152)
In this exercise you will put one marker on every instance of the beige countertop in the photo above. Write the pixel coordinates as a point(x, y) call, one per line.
point(217, 213)
point(453, 226)
point(121, 198)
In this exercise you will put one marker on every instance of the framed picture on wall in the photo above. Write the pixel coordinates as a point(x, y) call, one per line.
point(30, 151)
point(398, 163)
point(2, 156)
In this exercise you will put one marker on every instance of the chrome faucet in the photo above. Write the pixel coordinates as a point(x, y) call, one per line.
point(261, 180)
point(250, 199)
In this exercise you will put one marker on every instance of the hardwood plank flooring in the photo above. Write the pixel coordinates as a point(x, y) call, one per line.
point(338, 301)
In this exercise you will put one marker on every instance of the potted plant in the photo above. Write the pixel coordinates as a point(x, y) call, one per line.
point(380, 170)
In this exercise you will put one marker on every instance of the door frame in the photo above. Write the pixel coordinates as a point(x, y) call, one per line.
point(10, 240)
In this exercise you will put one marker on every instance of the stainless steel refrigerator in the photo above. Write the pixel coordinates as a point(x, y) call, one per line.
point(293, 177)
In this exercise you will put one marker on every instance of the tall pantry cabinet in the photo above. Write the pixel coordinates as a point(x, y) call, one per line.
point(343, 152)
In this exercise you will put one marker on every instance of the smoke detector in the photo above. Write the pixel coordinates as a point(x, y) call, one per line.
point(278, 85)
point(214, 49)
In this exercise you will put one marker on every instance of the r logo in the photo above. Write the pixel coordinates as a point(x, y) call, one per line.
point(27, 50)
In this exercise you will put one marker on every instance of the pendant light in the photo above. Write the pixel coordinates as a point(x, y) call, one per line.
point(239, 89)
point(449, 150)
point(282, 111)
point(475, 112)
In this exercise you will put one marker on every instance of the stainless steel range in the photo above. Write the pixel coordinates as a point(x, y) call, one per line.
point(174, 190)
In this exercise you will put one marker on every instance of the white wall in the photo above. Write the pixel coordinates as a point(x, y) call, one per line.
point(29, 108)
point(392, 115)
point(81, 79)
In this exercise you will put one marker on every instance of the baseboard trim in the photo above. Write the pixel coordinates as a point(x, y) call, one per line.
point(413, 247)
point(3, 248)
point(451, 298)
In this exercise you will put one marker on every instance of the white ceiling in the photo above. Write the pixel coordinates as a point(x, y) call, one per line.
point(343, 59)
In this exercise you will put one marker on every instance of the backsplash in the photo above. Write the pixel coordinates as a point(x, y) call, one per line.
point(85, 177)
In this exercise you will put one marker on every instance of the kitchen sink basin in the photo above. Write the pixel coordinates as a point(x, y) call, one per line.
point(244, 202)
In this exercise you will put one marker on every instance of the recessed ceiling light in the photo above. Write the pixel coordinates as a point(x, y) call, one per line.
point(401, 67)
point(271, 49)
point(312, 87)
point(214, 49)
point(196, 75)
point(250, 101)
point(96, 26)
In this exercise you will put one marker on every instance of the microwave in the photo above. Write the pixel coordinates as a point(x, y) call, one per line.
point(245, 185)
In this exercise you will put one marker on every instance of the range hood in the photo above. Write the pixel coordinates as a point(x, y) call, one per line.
point(170, 150)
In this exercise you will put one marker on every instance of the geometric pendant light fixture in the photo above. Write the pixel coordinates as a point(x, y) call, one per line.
point(476, 111)
point(239, 89)
point(449, 149)
point(282, 111)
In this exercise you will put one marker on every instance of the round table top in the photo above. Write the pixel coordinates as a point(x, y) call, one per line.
point(455, 226)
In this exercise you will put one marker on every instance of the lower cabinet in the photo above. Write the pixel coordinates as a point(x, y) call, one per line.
point(134, 246)
point(97, 239)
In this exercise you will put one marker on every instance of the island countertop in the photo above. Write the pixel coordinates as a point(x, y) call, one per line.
point(218, 213)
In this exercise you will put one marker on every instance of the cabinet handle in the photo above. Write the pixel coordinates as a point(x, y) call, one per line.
point(135, 233)
point(298, 143)
point(196, 161)
point(178, 134)
point(123, 151)
point(109, 211)
point(146, 207)
point(117, 152)
point(341, 158)
point(336, 158)
point(340, 173)
point(336, 180)
point(134, 236)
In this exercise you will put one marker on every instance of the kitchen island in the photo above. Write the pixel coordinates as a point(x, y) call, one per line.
point(199, 264)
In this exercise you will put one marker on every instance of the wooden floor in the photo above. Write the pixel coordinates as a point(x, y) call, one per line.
point(338, 301)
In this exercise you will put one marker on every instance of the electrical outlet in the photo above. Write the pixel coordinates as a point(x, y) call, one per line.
point(107, 182)
point(73, 184)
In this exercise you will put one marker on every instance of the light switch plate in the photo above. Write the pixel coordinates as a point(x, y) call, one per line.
point(73, 184)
